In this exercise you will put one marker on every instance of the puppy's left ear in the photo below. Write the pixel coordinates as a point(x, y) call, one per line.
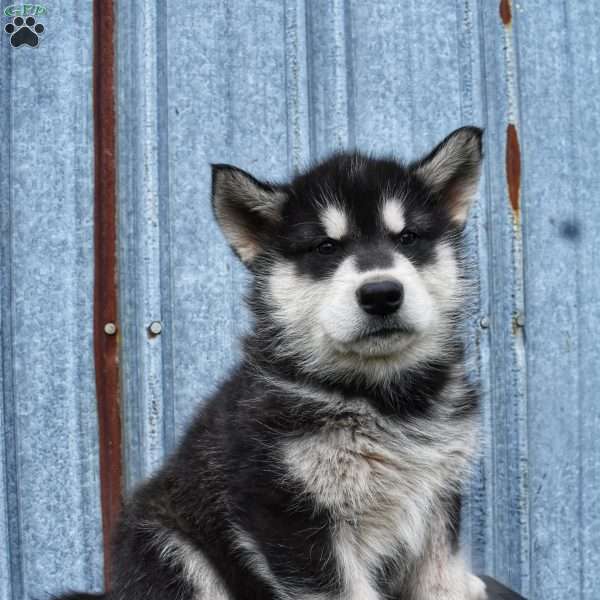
point(246, 209)
point(452, 170)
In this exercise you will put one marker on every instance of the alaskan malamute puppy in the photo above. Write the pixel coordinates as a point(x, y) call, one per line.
point(329, 465)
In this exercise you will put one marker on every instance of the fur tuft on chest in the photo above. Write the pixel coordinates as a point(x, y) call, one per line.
point(383, 478)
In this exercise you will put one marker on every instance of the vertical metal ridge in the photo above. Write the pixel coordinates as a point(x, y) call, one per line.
point(505, 272)
point(307, 41)
point(478, 507)
point(583, 81)
point(142, 240)
point(487, 518)
point(328, 73)
point(297, 85)
point(9, 469)
point(513, 191)
point(128, 98)
point(572, 229)
point(10, 527)
point(106, 349)
point(166, 294)
point(340, 90)
point(350, 108)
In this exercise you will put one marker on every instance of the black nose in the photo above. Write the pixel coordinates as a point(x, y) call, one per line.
point(380, 297)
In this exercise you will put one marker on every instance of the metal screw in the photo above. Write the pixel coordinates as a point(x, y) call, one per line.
point(484, 322)
point(155, 327)
point(110, 329)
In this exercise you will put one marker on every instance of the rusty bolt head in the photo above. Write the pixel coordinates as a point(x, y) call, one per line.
point(155, 327)
point(110, 329)
point(520, 320)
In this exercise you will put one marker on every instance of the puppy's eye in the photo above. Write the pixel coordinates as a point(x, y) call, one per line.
point(327, 247)
point(407, 238)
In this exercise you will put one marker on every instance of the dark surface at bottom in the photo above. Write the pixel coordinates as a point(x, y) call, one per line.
point(496, 591)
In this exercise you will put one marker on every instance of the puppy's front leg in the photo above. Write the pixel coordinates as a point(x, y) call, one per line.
point(446, 579)
point(441, 573)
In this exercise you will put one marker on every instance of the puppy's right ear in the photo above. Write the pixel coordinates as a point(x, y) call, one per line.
point(246, 209)
point(452, 170)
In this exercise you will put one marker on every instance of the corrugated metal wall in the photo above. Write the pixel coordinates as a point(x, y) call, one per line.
point(50, 529)
point(270, 86)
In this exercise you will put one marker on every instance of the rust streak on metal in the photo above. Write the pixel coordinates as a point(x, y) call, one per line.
point(513, 168)
point(506, 12)
point(106, 350)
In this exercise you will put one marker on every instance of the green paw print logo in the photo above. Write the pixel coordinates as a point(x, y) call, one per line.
point(24, 29)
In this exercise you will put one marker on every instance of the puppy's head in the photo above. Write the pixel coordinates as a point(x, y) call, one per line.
point(356, 261)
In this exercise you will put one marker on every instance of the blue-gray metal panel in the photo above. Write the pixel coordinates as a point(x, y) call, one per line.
point(330, 76)
point(559, 46)
point(140, 186)
point(297, 86)
point(6, 571)
point(235, 74)
point(398, 107)
point(52, 535)
point(508, 534)
point(216, 85)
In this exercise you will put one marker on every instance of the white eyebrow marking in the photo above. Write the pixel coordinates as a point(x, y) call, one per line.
point(335, 222)
point(393, 216)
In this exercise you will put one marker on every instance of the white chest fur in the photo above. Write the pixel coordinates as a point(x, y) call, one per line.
point(382, 481)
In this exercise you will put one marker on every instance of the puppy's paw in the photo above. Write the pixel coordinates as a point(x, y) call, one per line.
point(476, 588)
point(460, 586)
